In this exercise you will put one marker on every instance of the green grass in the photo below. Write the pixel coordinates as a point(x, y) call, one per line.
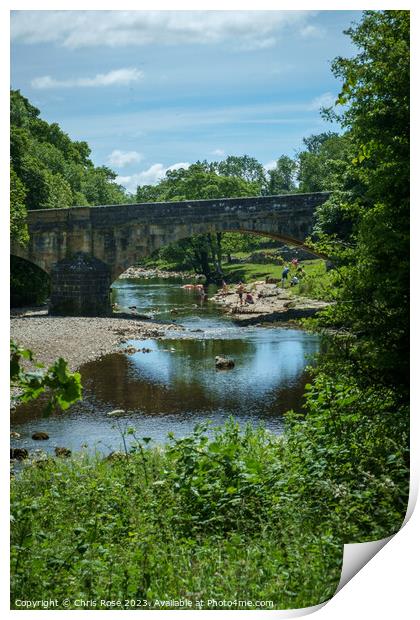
point(238, 515)
point(249, 272)
point(162, 264)
point(317, 282)
point(202, 519)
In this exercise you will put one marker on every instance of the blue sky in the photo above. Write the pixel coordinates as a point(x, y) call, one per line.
point(149, 90)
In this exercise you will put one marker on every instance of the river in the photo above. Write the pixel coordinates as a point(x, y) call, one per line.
point(176, 385)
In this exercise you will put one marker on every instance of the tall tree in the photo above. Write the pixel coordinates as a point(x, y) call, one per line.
point(200, 181)
point(18, 227)
point(282, 178)
point(55, 171)
point(321, 167)
point(352, 443)
point(48, 170)
point(375, 96)
point(244, 167)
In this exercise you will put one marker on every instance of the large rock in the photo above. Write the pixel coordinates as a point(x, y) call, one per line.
point(40, 435)
point(224, 362)
point(19, 454)
point(66, 452)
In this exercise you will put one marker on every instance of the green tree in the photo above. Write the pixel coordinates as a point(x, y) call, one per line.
point(99, 187)
point(355, 428)
point(322, 166)
point(55, 170)
point(202, 253)
point(244, 167)
point(148, 193)
point(48, 170)
point(18, 227)
point(376, 115)
point(281, 179)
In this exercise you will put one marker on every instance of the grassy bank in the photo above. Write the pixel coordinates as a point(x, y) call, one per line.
point(241, 515)
point(203, 519)
point(317, 283)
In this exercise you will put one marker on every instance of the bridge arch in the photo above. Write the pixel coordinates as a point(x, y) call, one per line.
point(22, 254)
point(119, 235)
point(134, 256)
point(29, 283)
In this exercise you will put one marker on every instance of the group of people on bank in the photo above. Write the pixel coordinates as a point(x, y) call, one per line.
point(295, 271)
point(298, 275)
point(245, 297)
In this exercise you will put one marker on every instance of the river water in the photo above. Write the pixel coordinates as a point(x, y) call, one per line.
point(176, 385)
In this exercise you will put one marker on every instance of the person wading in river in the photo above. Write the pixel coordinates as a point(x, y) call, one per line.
point(240, 290)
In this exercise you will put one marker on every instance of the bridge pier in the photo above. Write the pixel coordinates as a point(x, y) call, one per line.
point(80, 287)
point(119, 235)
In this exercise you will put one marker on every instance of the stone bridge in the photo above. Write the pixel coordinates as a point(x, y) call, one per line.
point(86, 248)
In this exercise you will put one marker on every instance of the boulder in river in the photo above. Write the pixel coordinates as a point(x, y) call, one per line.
point(131, 350)
point(224, 362)
point(38, 435)
point(14, 435)
point(19, 454)
point(62, 452)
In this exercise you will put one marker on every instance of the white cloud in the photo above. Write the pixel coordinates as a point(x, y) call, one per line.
point(120, 77)
point(159, 122)
point(325, 100)
point(75, 29)
point(270, 165)
point(218, 152)
point(151, 176)
point(311, 31)
point(119, 159)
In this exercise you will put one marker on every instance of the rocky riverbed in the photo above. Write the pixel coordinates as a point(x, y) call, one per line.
point(271, 304)
point(78, 339)
point(147, 273)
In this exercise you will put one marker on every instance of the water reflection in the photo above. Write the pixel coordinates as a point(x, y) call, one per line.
point(176, 385)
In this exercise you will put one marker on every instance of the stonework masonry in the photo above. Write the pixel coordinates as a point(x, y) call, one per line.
point(102, 242)
point(80, 286)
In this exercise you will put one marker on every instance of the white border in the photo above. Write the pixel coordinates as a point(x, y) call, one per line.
point(387, 586)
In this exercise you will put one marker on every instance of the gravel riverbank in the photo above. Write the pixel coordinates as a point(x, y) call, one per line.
point(154, 272)
point(78, 339)
point(271, 303)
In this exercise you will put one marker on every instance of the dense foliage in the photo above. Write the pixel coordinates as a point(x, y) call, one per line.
point(205, 519)
point(358, 405)
point(49, 170)
point(18, 227)
point(375, 272)
point(30, 379)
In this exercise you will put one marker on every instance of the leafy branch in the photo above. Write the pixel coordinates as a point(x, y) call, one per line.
point(64, 387)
